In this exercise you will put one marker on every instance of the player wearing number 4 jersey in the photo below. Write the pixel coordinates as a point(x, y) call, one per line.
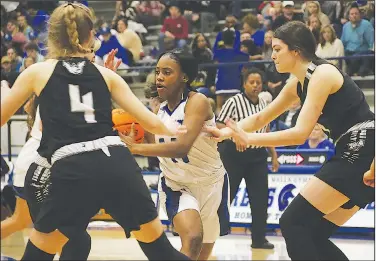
point(193, 186)
point(90, 166)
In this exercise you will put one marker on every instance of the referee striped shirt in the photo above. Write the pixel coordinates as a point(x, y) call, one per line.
point(239, 107)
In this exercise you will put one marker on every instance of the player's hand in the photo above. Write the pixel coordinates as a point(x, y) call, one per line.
point(239, 136)
point(129, 139)
point(217, 134)
point(369, 178)
point(241, 147)
point(110, 61)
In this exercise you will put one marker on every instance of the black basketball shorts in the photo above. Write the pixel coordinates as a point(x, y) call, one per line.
point(354, 154)
point(83, 183)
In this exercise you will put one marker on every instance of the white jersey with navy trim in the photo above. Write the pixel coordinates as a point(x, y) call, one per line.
point(202, 164)
point(28, 153)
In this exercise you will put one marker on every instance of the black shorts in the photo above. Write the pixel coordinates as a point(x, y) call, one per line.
point(36, 187)
point(84, 183)
point(344, 171)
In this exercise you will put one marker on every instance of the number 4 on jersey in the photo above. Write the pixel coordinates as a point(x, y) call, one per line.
point(86, 106)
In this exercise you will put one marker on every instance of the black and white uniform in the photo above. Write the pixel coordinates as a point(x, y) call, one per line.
point(250, 164)
point(27, 156)
point(91, 167)
point(348, 120)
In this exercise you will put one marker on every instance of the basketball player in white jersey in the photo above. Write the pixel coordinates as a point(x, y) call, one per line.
point(193, 186)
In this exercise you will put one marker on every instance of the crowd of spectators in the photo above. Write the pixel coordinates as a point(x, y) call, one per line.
point(341, 28)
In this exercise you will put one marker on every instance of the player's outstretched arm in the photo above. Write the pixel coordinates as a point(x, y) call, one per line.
point(124, 97)
point(197, 111)
point(325, 79)
point(21, 90)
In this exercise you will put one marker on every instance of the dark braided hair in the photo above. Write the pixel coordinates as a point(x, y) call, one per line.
point(188, 63)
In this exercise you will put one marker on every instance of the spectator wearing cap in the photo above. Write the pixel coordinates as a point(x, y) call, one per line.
point(228, 80)
point(128, 38)
point(230, 22)
point(33, 37)
point(288, 14)
point(174, 27)
point(358, 38)
point(251, 25)
point(6, 66)
point(111, 42)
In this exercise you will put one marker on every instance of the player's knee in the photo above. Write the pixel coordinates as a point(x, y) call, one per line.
point(193, 240)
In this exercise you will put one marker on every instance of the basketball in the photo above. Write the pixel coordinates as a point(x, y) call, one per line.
point(123, 121)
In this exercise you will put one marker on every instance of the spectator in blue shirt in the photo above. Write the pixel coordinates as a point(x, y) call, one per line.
point(358, 38)
point(230, 22)
point(33, 37)
point(111, 42)
point(318, 140)
point(252, 26)
point(228, 80)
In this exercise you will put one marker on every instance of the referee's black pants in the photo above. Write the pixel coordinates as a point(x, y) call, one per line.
point(252, 166)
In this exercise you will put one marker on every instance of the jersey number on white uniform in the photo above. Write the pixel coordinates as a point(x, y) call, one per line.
point(185, 159)
point(86, 106)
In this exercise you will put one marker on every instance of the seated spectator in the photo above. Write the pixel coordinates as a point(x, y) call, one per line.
point(129, 39)
point(149, 12)
point(254, 52)
point(32, 50)
point(23, 26)
point(317, 140)
point(12, 27)
point(330, 45)
point(15, 60)
point(314, 8)
point(290, 117)
point(267, 47)
point(314, 25)
point(228, 80)
point(358, 38)
point(245, 36)
point(33, 37)
point(230, 22)
point(288, 15)
point(29, 61)
point(111, 42)
point(5, 66)
point(175, 27)
point(251, 25)
point(201, 51)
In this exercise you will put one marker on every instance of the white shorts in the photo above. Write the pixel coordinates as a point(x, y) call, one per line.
point(27, 156)
point(211, 201)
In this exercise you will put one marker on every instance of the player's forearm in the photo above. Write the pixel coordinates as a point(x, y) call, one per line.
point(252, 123)
point(276, 139)
point(167, 150)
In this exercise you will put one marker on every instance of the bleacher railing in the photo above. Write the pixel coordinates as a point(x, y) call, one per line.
point(208, 65)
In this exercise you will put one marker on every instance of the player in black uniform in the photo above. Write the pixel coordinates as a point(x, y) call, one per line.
point(331, 99)
point(91, 167)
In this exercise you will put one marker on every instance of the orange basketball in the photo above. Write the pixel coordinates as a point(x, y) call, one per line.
point(123, 121)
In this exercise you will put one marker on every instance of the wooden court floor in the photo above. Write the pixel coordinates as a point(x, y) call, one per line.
point(111, 244)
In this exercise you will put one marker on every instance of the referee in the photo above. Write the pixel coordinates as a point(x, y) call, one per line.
point(251, 163)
